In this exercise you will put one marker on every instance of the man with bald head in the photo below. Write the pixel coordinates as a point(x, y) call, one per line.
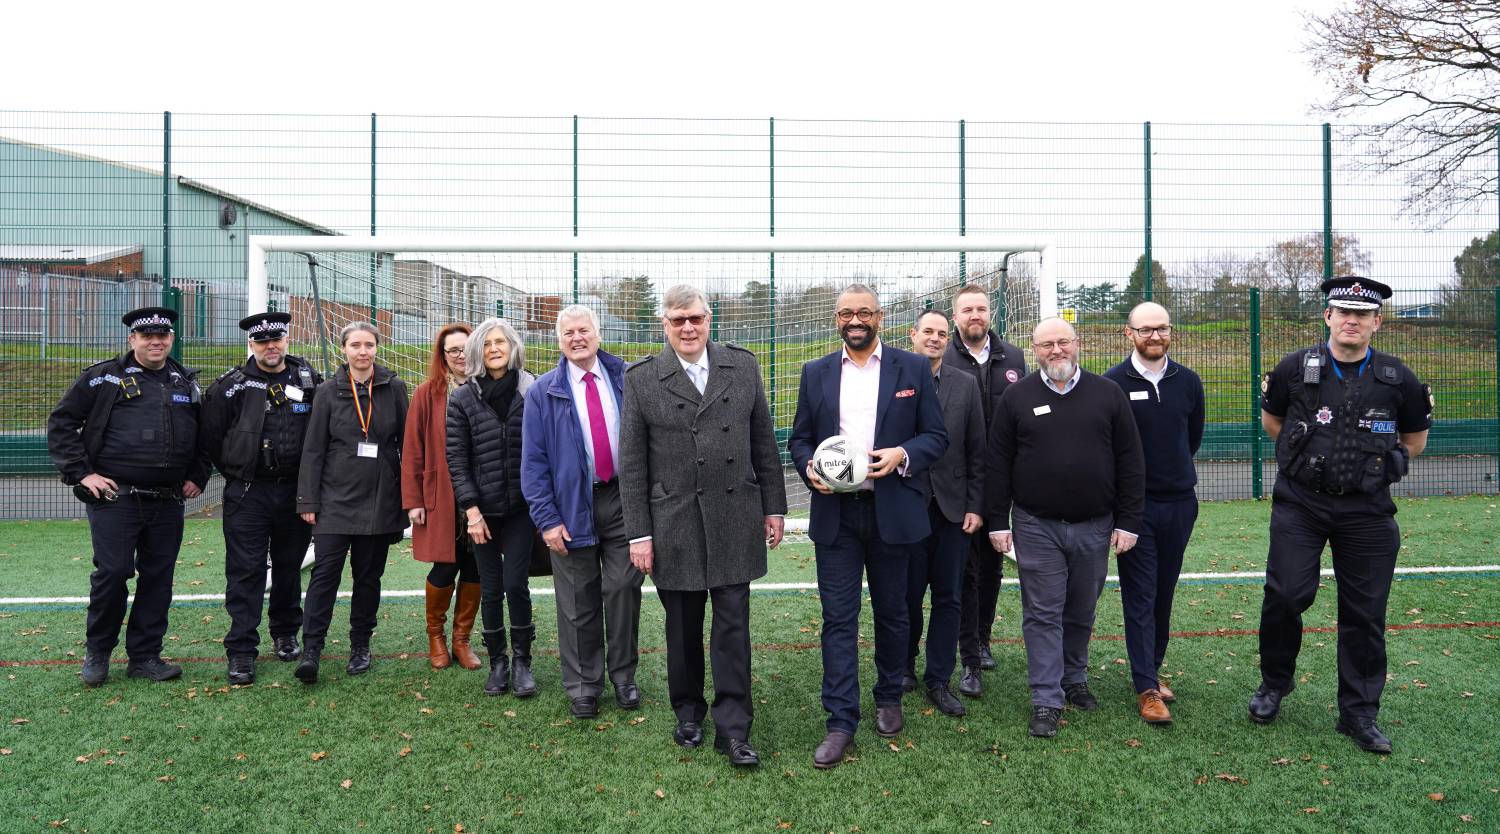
point(1166, 399)
point(1069, 437)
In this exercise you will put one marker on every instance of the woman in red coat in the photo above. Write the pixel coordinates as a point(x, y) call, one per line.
point(427, 494)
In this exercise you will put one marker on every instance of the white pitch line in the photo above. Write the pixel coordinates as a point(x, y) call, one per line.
point(759, 586)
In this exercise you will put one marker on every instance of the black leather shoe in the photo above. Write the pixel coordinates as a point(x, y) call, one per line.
point(627, 695)
point(242, 669)
point(908, 681)
point(940, 696)
point(1078, 695)
point(688, 734)
point(1043, 722)
point(522, 682)
point(154, 668)
point(359, 659)
point(287, 649)
point(739, 751)
point(971, 685)
point(585, 706)
point(307, 669)
point(95, 669)
point(830, 753)
point(1265, 704)
point(1365, 735)
point(888, 720)
point(986, 660)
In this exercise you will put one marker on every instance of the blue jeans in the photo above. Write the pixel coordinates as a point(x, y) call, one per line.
point(856, 552)
point(940, 563)
point(1148, 581)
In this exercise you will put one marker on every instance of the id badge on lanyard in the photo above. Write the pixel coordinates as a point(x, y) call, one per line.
point(365, 449)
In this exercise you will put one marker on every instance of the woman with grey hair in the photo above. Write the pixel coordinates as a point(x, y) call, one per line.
point(484, 457)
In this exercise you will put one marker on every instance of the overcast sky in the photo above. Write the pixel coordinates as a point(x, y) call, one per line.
point(1091, 61)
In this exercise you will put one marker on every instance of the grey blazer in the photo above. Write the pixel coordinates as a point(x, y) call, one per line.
point(957, 478)
point(699, 473)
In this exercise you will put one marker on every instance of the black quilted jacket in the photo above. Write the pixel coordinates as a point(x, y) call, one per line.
point(484, 453)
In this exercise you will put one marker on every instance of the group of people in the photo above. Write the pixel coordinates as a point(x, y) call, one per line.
point(670, 467)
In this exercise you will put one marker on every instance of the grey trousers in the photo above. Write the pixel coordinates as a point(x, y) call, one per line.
point(598, 588)
point(1062, 567)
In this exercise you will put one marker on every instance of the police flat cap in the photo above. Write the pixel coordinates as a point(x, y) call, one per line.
point(150, 320)
point(266, 327)
point(1352, 292)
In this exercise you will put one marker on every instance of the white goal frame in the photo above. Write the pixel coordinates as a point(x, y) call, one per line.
point(257, 296)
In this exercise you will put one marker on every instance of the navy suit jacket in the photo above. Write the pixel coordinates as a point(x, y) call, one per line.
point(913, 421)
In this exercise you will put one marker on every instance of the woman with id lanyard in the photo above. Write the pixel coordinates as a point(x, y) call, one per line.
point(349, 489)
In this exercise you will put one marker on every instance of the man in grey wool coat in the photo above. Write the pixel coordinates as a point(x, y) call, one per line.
point(703, 497)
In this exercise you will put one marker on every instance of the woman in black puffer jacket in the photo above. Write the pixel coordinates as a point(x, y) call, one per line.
point(484, 458)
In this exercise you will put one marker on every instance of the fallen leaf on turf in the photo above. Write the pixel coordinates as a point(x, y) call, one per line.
point(1466, 817)
point(5, 751)
point(985, 822)
point(319, 756)
point(1312, 810)
point(458, 828)
point(1132, 742)
point(167, 778)
point(660, 794)
point(1467, 694)
point(894, 747)
point(1281, 761)
point(82, 760)
point(783, 824)
point(1231, 778)
point(425, 710)
point(19, 721)
point(347, 784)
point(510, 713)
point(1435, 797)
point(1325, 782)
point(404, 752)
point(240, 757)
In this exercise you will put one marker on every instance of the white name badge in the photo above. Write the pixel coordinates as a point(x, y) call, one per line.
point(1042, 409)
point(293, 393)
point(1140, 395)
point(368, 450)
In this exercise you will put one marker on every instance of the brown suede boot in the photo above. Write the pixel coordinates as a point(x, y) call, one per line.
point(463, 624)
point(437, 617)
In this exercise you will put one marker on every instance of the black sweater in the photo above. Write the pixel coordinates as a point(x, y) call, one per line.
point(1068, 458)
point(1170, 417)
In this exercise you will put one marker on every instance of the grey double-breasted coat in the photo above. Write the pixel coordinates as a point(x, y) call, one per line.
point(699, 473)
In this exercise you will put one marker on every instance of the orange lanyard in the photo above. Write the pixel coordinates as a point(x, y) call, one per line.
point(364, 416)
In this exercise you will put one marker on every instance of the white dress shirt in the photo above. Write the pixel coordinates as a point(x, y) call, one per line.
point(611, 411)
point(983, 354)
point(1153, 377)
point(699, 368)
point(859, 400)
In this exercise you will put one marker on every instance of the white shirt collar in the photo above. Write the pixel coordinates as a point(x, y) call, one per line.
point(879, 345)
point(1140, 367)
point(702, 362)
point(575, 373)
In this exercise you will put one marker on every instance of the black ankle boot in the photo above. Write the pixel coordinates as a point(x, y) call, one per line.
point(521, 680)
point(359, 659)
point(307, 667)
point(499, 679)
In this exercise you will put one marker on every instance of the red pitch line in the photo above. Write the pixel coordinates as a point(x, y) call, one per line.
point(1006, 641)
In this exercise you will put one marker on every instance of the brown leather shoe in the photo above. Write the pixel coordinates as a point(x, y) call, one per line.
point(1167, 696)
point(830, 754)
point(888, 720)
point(437, 617)
point(1153, 711)
point(463, 624)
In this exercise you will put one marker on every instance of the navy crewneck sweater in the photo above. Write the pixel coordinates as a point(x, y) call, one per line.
point(1170, 419)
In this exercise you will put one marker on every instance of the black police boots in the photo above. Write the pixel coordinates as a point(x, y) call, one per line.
point(1364, 734)
point(154, 668)
point(307, 669)
point(359, 659)
point(1265, 704)
point(521, 680)
point(241, 669)
point(95, 669)
point(499, 680)
point(287, 649)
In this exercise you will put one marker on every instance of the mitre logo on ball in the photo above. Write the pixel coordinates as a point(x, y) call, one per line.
point(842, 463)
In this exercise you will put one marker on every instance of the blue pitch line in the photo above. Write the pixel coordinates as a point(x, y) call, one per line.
point(787, 592)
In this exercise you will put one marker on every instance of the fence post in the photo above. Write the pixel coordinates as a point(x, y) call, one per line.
point(169, 298)
point(1146, 140)
point(374, 257)
point(1327, 202)
point(575, 205)
point(963, 207)
point(772, 264)
point(713, 319)
point(1257, 488)
point(1495, 331)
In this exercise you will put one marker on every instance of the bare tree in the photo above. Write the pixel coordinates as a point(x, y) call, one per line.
point(1421, 80)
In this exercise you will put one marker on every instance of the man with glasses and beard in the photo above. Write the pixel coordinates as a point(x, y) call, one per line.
point(883, 398)
point(1069, 436)
point(995, 364)
point(1166, 399)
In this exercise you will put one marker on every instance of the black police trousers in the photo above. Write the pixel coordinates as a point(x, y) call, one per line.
point(981, 594)
point(1365, 541)
point(133, 536)
point(366, 556)
point(260, 517)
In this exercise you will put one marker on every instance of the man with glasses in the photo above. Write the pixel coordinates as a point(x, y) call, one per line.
point(1347, 420)
point(1069, 437)
point(704, 497)
point(254, 419)
point(883, 398)
point(125, 435)
point(996, 364)
point(1166, 399)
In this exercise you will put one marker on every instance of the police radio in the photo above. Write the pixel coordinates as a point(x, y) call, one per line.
point(1312, 368)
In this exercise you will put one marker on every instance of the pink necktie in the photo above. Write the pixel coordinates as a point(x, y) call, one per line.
point(604, 462)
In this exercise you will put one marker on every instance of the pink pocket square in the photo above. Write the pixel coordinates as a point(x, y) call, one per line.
point(906, 392)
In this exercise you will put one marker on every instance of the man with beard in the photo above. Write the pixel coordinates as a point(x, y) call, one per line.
point(995, 364)
point(1347, 419)
point(1068, 435)
point(883, 398)
point(1166, 399)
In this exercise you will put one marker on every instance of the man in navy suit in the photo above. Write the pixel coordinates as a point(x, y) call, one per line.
point(883, 397)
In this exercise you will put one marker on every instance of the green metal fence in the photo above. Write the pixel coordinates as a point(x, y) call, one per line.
point(1231, 226)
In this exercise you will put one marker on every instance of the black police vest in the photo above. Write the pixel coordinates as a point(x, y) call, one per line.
point(1340, 436)
point(153, 425)
point(265, 435)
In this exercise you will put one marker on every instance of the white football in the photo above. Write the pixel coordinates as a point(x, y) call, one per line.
point(842, 463)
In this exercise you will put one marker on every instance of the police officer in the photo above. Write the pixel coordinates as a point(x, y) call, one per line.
point(254, 417)
point(1347, 419)
point(126, 437)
